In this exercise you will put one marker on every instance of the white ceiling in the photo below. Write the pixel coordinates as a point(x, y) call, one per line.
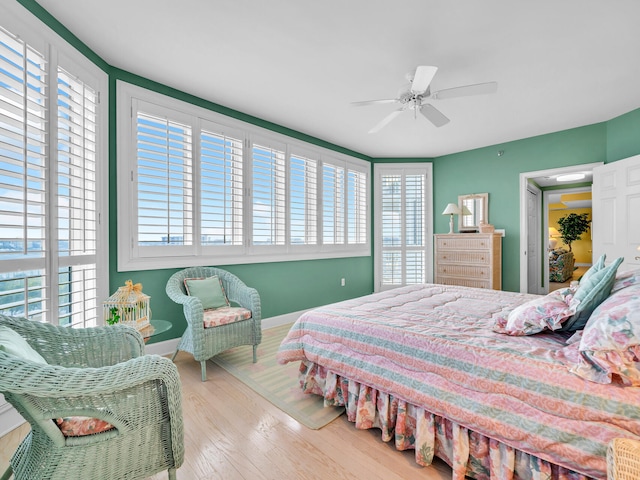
point(299, 64)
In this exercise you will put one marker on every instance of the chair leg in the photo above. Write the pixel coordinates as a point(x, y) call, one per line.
point(7, 474)
point(174, 355)
point(203, 370)
point(172, 474)
point(255, 353)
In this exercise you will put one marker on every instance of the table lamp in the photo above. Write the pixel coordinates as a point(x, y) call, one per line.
point(452, 209)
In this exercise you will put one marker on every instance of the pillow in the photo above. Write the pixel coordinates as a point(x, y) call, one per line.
point(209, 290)
point(547, 312)
point(610, 343)
point(595, 268)
point(591, 291)
point(12, 343)
point(626, 279)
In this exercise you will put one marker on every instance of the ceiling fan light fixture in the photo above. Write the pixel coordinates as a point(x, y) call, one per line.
point(570, 177)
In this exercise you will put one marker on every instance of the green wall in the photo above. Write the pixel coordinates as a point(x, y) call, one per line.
point(482, 170)
point(623, 136)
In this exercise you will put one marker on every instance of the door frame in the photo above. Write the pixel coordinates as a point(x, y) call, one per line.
point(543, 222)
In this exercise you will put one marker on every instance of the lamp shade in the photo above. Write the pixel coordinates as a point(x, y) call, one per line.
point(553, 232)
point(465, 210)
point(452, 209)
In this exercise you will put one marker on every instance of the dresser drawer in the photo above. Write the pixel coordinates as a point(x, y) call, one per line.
point(467, 258)
point(460, 242)
point(466, 271)
point(464, 282)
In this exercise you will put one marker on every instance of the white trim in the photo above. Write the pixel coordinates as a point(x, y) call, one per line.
point(10, 419)
point(128, 259)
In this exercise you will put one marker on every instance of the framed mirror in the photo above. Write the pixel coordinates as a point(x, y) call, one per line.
point(477, 206)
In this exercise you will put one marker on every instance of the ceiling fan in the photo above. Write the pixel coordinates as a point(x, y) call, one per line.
point(417, 96)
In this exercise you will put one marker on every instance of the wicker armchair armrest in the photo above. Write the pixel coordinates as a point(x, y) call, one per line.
point(245, 296)
point(118, 394)
point(79, 347)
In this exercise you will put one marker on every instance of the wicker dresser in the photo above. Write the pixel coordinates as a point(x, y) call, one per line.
point(469, 259)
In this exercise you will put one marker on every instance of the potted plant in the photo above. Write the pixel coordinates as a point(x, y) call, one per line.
point(572, 226)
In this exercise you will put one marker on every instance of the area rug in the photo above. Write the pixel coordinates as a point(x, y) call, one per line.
point(277, 383)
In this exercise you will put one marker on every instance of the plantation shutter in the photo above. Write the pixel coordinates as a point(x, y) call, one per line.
point(303, 200)
point(221, 189)
point(269, 184)
point(77, 205)
point(333, 204)
point(164, 181)
point(402, 219)
point(356, 207)
point(23, 180)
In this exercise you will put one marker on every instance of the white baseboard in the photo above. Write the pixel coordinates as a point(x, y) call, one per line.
point(11, 419)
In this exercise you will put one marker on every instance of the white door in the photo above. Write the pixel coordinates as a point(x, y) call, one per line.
point(616, 203)
point(533, 239)
point(403, 225)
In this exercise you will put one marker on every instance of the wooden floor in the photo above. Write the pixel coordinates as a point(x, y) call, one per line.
point(232, 433)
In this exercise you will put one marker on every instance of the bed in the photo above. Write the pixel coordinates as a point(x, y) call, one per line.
point(435, 368)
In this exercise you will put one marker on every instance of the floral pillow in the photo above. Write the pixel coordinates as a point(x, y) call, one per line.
point(547, 312)
point(626, 279)
point(610, 342)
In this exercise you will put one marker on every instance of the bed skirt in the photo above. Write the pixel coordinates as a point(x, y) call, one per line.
point(468, 453)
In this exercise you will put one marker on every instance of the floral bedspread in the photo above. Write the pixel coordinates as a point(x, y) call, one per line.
point(432, 346)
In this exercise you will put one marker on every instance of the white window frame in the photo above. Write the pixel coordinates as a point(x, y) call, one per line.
point(58, 53)
point(129, 257)
point(403, 169)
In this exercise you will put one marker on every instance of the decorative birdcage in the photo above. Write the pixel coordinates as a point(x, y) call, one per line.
point(128, 305)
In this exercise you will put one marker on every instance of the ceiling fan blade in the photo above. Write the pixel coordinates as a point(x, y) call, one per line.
point(434, 115)
point(373, 102)
point(477, 89)
point(386, 120)
point(422, 79)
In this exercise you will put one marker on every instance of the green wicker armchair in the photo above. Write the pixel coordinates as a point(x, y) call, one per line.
point(205, 343)
point(99, 373)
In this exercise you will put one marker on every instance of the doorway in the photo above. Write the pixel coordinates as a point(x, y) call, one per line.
point(534, 223)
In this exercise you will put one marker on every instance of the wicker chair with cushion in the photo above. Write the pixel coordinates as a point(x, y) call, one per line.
point(98, 408)
point(623, 459)
point(242, 319)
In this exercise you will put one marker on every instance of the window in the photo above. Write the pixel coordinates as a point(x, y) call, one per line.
point(52, 179)
point(303, 200)
point(221, 188)
point(403, 245)
point(208, 189)
point(269, 195)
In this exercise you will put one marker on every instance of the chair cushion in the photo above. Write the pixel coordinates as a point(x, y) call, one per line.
point(81, 426)
point(209, 290)
point(12, 342)
point(224, 315)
